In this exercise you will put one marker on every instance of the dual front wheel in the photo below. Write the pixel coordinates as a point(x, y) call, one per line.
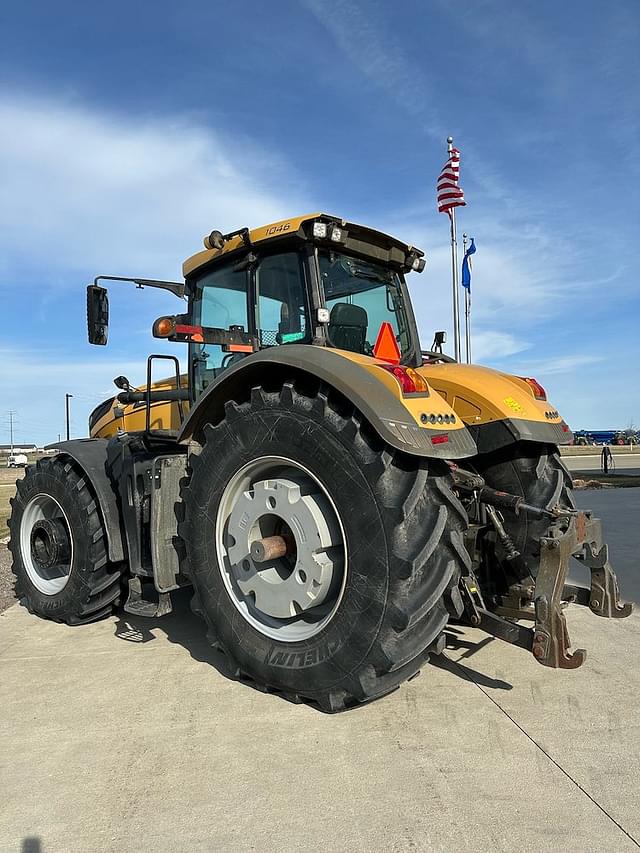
point(59, 545)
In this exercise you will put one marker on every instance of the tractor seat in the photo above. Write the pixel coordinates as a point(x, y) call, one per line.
point(348, 327)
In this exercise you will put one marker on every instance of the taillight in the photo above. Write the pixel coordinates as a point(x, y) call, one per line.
point(408, 379)
point(538, 391)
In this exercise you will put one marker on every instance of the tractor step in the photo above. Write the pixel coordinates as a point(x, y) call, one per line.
point(137, 605)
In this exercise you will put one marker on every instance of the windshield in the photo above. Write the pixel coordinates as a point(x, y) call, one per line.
point(360, 296)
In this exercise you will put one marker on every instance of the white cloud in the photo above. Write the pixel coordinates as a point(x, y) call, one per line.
point(85, 189)
point(562, 364)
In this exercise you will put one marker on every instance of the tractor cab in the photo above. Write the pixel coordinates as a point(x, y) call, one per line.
point(316, 280)
point(313, 280)
point(298, 290)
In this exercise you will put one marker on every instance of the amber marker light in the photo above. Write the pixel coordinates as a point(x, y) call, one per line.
point(163, 327)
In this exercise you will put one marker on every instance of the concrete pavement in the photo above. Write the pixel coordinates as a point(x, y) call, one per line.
point(122, 735)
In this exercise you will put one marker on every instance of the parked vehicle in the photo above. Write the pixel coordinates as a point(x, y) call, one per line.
point(17, 460)
point(582, 438)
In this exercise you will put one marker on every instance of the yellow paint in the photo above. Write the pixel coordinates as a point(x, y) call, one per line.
point(515, 406)
point(270, 232)
point(163, 415)
point(481, 395)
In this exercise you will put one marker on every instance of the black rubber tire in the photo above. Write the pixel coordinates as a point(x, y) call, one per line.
point(403, 527)
point(94, 584)
point(537, 473)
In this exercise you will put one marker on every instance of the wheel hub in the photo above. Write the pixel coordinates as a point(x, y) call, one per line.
point(283, 585)
point(46, 544)
point(50, 544)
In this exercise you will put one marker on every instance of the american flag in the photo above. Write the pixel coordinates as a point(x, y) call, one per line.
point(449, 192)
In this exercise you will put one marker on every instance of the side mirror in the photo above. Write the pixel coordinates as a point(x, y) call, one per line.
point(122, 383)
point(97, 315)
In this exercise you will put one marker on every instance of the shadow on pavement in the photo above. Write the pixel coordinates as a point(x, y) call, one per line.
point(184, 628)
point(181, 627)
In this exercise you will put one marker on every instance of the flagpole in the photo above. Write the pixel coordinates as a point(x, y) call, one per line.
point(467, 309)
point(454, 272)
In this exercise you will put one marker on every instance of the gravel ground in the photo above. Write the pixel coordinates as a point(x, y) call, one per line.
point(8, 477)
point(7, 597)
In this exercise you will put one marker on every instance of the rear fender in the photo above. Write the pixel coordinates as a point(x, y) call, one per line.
point(90, 454)
point(374, 392)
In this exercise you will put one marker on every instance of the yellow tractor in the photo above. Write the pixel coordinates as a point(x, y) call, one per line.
point(334, 495)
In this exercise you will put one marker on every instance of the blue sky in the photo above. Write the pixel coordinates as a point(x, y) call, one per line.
point(131, 130)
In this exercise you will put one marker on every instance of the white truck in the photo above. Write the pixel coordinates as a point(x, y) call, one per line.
point(17, 460)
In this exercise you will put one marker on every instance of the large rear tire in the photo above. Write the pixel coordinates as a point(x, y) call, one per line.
point(59, 547)
point(385, 567)
point(537, 473)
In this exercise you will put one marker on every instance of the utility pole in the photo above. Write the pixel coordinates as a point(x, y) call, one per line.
point(11, 417)
point(67, 397)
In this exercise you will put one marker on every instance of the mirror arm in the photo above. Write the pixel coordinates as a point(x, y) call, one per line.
point(174, 287)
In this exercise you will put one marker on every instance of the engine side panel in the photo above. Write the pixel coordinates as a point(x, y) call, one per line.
point(111, 417)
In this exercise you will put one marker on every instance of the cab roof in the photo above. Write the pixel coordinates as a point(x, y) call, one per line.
point(291, 228)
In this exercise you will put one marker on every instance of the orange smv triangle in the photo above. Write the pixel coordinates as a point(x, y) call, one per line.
point(386, 347)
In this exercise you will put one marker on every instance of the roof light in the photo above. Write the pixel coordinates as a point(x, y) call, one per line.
point(538, 391)
point(320, 230)
point(415, 262)
point(215, 240)
point(408, 379)
point(337, 234)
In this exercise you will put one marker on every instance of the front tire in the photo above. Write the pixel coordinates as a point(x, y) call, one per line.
point(389, 542)
point(59, 546)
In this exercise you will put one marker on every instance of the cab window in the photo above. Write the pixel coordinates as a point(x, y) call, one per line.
point(360, 296)
point(282, 315)
point(219, 301)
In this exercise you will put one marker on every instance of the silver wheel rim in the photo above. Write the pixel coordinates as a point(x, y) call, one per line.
point(290, 598)
point(48, 567)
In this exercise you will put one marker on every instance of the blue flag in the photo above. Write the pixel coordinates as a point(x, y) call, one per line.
point(466, 265)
